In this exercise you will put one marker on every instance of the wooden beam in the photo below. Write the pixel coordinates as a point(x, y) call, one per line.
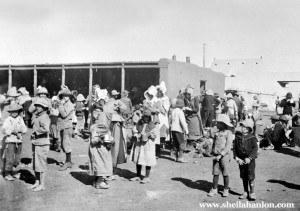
point(34, 80)
point(9, 77)
point(63, 75)
point(90, 82)
point(122, 78)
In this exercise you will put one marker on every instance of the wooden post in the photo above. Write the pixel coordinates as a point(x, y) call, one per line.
point(91, 81)
point(63, 75)
point(123, 78)
point(34, 80)
point(9, 77)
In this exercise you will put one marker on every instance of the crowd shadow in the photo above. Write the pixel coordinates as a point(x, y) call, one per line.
point(52, 161)
point(289, 151)
point(26, 161)
point(202, 185)
point(83, 177)
point(84, 166)
point(286, 184)
point(27, 176)
point(125, 173)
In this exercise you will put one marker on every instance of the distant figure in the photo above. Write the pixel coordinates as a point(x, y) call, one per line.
point(208, 108)
point(287, 104)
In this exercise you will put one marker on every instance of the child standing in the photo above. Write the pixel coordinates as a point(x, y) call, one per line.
point(100, 157)
point(40, 144)
point(222, 143)
point(143, 151)
point(178, 128)
point(245, 151)
point(54, 130)
point(13, 128)
point(79, 111)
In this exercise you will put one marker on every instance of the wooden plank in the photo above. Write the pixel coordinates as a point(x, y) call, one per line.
point(34, 80)
point(9, 77)
point(63, 75)
point(122, 78)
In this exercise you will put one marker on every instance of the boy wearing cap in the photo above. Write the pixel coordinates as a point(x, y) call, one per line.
point(222, 143)
point(66, 111)
point(245, 152)
point(40, 144)
point(178, 128)
point(13, 128)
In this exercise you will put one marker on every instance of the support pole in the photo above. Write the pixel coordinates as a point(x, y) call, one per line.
point(63, 75)
point(34, 80)
point(91, 81)
point(122, 78)
point(9, 77)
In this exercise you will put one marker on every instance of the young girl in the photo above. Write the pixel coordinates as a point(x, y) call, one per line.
point(221, 147)
point(54, 130)
point(13, 128)
point(79, 111)
point(100, 157)
point(143, 151)
point(178, 128)
point(245, 151)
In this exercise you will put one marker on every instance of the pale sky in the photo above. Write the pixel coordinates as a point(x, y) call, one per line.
point(64, 31)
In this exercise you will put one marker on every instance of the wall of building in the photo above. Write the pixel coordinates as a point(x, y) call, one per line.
point(179, 74)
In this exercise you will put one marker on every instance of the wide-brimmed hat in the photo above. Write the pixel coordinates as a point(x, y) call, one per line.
point(225, 119)
point(42, 102)
point(114, 92)
point(229, 95)
point(42, 90)
point(23, 91)
point(248, 123)
point(12, 92)
point(80, 98)
point(275, 117)
point(14, 107)
point(209, 92)
point(284, 118)
point(64, 92)
point(179, 103)
point(125, 93)
point(147, 112)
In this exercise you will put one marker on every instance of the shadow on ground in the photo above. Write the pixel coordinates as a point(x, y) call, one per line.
point(286, 184)
point(83, 177)
point(27, 176)
point(289, 151)
point(202, 185)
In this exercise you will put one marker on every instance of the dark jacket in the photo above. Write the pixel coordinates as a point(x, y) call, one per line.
point(208, 103)
point(287, 107)
point(245, 146)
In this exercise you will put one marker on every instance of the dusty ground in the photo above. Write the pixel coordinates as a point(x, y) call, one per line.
point(173, 186)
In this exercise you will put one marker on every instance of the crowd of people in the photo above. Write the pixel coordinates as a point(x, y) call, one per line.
point(118, 130)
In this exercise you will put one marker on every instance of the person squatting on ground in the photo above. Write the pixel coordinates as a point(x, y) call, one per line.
point(222, 143)
point(100, 156)
point(245, 152)
point(40, 144)
point(179, 128)
point(143, 150)
point(66, 110)
point(13, 128)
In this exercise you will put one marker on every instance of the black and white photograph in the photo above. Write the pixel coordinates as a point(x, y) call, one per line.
point(149, 105)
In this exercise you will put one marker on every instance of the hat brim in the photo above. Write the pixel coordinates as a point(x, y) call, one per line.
point(20, 109)
point(242, 124)
point(41, 105)
point(226, 123)
point(15, 95)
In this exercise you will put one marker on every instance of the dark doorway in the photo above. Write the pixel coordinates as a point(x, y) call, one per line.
point(23, 78)
point(202, 86)
point(109, 79)
point(51, 79)
point(140, 80)
point(78, 79)
point(3, 81)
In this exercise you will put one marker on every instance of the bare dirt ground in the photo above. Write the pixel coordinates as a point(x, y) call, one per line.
point(174, 186)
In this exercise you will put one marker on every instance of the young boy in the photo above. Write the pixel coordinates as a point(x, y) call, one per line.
point(222, 143)
point(54, 130)
point(178, 128)
point(13, 128)
point(245, 151)
point(40, 144)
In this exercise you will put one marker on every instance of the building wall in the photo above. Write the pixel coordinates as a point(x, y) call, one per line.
point(180, 74)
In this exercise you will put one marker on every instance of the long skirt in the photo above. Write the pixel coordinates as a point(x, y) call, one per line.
point(164, 126)
point(119, 147)
point(100, 160)
point(143, 153)
point(193, 123)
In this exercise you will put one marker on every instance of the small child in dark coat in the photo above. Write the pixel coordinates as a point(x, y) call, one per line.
point(245, 151)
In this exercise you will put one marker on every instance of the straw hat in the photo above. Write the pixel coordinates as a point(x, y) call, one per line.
point(179, 103)
point(14, 107)
point(284, 118)
point(209, 92)
point(248, 123)
point(42, 102)
point(147, 112)
point(125, 93)
point(275, 117)
point(42, 90)
point(225, 119)
point(23, 91)
point(12, 92)
point(114, 92)
point(80, 98)
point(64, 92)
point(229, 95)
